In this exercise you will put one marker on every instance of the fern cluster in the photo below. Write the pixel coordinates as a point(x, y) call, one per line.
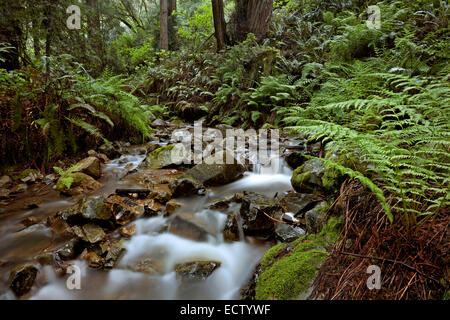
point(402, 135)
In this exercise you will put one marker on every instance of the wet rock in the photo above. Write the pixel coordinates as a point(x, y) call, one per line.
point(171, 206)
point(159, 123)
point(70, 250)
point(144, 178)
point(32, 177)
point(195, 270)
point(219, 205)
point(152, 208)
point(90, 166)
point(231, 230)
point(50, 179)
point(298, 203)
point(149, 266)
point(114, 254)
point(314, 177)
point(102, 157)
point(90, 232)
point(29, 221)
point(216, 174)
point(128, 231)
point(287, 233)
point(314, 149)
point(4, 193)
point(81, 183)
point(110, 150)
point(186, 225)
point(254, 221)
point(160, 196)
point(20, 188)
point(5, 181)
point(45, 258)
point(160, 158)
point(125, 209)
point(295, 159)
point(316, 218)
point(94, 260)
point(22, 279)
point(91, 208)
point(184, 187)
point(58, 225)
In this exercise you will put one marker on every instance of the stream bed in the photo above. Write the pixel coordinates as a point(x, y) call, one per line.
point(153, 241)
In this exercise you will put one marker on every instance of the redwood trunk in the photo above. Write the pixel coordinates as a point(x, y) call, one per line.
point(219, 23)
point(164, 36)
point(252, 16)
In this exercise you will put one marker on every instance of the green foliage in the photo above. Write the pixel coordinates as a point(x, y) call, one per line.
point(288, 269)
point(65, 180)
point(401, 134)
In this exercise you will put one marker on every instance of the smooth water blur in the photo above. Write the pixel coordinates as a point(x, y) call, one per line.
point(152, 242)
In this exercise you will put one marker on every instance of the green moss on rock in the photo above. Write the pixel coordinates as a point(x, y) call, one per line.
point(288, 270)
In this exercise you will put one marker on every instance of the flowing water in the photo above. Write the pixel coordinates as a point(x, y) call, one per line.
point(152, 242)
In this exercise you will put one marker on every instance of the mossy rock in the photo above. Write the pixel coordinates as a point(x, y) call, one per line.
point(314, 177)
point(160, 158)
point(288, 270)
point(25, 173)
point(79, 183)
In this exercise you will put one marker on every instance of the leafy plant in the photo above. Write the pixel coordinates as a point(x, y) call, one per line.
point(66, 179)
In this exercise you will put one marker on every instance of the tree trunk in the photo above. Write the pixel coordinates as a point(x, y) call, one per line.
point(171, 25)
point(11, 34)
point(163, 35)
point(251, 16)
point(95, 38)
point(172, 6)
point(47, 24)
point(219, 23)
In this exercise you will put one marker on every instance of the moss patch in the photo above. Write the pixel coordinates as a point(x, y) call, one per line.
point(289, 269)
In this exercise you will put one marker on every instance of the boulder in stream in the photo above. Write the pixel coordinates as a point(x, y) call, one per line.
point(91, 209)
point(298, 203)
point(187, 225)
point(90, 166)
point(19, 188)
point(254, 221)
point(22, 279)
point(4, 193)
point(316, 218)
point(195, 270)
point(184, 187)
point(288, 233)
point(70, 250)
point(160, 158)
point(81, 183)
point(171, 206)
point(5, 181)
point(89, 232)
point(314, 177)
point(210, 174)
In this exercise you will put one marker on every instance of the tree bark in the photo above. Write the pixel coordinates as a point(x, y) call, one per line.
point(163, 35)
point(171, 25)
point(251, 16)
point(219, 23)
point(11, 34)
point(95, 34)
point(172, 6)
